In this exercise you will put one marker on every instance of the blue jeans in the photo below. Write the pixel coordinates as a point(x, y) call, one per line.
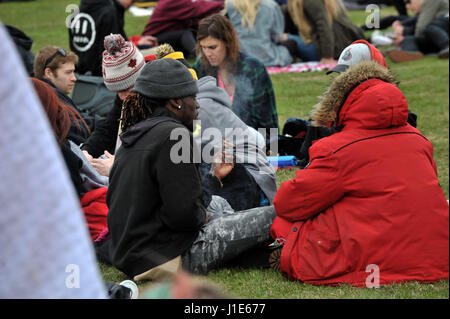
point(409, 43)
point(306, 52)
point(434, 38)
point(437, 33)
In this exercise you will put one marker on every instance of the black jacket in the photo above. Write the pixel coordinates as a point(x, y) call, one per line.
point(156, 207)
point(105, 135)
point(23, 44)
point(102, 16)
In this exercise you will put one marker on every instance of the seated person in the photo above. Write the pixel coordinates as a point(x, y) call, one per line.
point(252, 181)
point(175, 22)
point(324, 29)
point(425, 33)
point(157, 208)
point(89, 186)
point(260, 28)
point(355, 53)
point(244, 78)
point(437, 33)
point(370, 195)
point(122, 63)
point(56, 67)
point(45, 241)
point(96, 20)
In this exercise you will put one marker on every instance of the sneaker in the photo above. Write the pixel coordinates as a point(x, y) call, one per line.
point(404, 56)
point(134, 290)
point(378, 39)
point(274, 259)
point(275, 255)
point(443, 54)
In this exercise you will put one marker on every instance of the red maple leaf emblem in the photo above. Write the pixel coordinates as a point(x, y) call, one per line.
point(132, 63)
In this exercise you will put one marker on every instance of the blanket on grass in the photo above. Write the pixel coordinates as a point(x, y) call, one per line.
point(301, 67)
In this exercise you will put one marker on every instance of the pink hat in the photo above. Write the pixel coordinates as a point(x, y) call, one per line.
point(356, 52)
point(122, 63)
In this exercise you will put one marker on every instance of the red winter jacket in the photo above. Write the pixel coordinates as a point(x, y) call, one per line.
point(171, 15)
point(95, 211)
point(370, 195)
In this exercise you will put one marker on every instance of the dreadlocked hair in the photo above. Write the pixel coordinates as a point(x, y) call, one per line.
point(137, 107)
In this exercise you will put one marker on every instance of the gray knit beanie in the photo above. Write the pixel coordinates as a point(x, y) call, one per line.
point(165, 79)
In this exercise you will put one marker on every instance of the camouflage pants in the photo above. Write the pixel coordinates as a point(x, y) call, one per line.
point(227, 235)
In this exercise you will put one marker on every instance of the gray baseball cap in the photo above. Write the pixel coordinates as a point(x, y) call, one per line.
point(352, 55)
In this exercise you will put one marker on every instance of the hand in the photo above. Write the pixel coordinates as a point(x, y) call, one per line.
point(88, 156)
point(328, 61)
point(207, 217)
point(148, 40)
point(398, 28)
point(103, 165)
point(398, 40)
point(223, 162)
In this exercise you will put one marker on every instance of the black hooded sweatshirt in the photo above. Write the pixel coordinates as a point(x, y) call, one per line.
point(97, 19)
point(105, 135)
point(156, 206)
point(23, 44)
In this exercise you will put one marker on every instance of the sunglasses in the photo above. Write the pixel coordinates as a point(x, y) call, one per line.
point(50, 59)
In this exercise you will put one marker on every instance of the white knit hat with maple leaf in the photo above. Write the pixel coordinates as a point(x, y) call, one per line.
point(122, 63)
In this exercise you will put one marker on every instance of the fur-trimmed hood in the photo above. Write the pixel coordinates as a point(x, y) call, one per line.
point(369, 98)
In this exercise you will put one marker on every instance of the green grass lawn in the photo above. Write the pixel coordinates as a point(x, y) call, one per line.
point(425, 84)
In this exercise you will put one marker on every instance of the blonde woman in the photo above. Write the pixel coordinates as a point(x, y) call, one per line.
point(324, 28)
point(259, 25)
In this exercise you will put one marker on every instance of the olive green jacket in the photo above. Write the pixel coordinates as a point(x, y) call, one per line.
point(329, 38)
point(431, 9)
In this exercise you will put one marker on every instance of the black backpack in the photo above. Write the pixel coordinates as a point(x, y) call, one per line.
point(91, 96)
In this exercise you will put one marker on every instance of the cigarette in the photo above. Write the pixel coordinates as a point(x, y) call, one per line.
point(228, 143)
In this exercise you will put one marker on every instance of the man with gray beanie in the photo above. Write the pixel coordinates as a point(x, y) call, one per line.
point(157, 217)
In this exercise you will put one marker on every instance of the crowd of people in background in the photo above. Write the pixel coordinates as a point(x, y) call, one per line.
point(368, 194)
point(426, 32)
